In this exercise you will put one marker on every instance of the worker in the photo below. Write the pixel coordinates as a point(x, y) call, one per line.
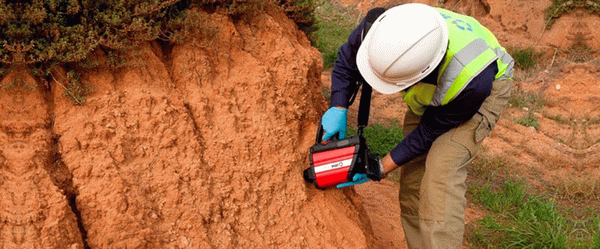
point(454, 77)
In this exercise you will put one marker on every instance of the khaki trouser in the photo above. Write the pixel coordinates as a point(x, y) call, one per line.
point(432, 186)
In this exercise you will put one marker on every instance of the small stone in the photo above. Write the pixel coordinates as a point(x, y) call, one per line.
point(185, 242)
point(557, 86)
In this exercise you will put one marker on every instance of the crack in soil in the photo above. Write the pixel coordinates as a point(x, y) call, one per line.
point(73, 203)
point(58, 171)
point(63, 179)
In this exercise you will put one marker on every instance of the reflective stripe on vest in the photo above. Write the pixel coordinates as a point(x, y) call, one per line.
point(454, 69)
point(505, 64)
point(471, 49)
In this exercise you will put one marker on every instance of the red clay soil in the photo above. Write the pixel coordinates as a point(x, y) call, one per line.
point(564, 148)
point(202, 145)
point(34, 212)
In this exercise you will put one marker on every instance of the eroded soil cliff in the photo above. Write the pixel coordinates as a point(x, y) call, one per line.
point(199, 145)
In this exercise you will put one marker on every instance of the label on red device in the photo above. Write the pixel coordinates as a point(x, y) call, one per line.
point(332, 166)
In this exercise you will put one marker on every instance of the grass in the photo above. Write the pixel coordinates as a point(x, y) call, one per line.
point(529, 101)
point(519, 220)
point(326, 93)
point(517, 217)
point(487, 168)
point(560, 119)
point(595, 226)
point(533, 101)
point(577, 191)
point(380, 139)
point(525, 57)
point(334, 24)
point(529, 121)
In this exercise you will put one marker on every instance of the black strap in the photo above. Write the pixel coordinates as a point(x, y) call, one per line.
point(370, 18)
point(365, 96)
point(364, 107)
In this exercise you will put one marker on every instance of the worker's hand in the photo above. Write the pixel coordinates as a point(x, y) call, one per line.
point(334, 121)
point(374, 169)
point(356, 179)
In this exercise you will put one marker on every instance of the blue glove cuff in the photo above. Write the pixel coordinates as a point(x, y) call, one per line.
point(356, 179)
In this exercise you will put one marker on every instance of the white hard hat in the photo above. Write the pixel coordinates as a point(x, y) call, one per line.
point(403, 46)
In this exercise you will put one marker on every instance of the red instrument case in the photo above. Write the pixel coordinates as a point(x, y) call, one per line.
point(335, 162)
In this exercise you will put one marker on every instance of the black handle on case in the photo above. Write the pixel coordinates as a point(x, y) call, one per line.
point(320, 132)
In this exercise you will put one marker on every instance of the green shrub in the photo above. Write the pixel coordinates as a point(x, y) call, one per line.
point(41, 35)
point(302, 13)
point(561, 7)
point(75, 89)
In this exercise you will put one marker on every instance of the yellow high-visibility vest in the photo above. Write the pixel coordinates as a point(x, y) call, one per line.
point(471, 48)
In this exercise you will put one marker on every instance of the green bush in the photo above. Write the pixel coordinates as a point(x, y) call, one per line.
point(40, 35)
point(68, 30)
point(561, 7)
point(302, 13)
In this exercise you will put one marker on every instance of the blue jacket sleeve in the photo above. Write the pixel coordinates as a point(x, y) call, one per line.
point(345, 73)
point(438, 120)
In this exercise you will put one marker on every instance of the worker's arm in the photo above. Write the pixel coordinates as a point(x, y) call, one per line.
point(345, 73)
point(344, 76)
point(438, 120)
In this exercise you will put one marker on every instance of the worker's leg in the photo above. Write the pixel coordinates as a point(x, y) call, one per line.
point(411, 174)
point(442, 194)
point(432, 192)
point(432, 198)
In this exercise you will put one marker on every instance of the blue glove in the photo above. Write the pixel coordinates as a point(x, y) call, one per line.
point(356, 179)
point(334, 121)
